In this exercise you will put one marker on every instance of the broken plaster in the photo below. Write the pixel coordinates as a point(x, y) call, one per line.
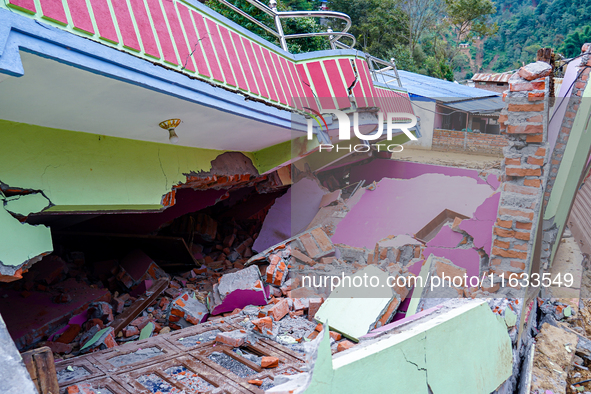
point(22, 244)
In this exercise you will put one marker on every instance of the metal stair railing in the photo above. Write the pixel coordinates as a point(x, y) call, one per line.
point(278, 32)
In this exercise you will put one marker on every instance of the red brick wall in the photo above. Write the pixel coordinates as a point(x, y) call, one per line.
point(461, 141)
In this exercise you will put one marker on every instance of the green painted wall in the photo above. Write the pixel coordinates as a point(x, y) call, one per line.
point(20, 242)
point(81, 171)
point(465, 350)
point(572, 165)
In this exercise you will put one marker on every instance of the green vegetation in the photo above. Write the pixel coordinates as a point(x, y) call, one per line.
point(526, 26)
point(421, 35)
point(290, 26)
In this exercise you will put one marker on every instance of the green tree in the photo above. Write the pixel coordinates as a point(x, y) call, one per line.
point(378, 25)
point(471, 18)
point(574, 41)
point(421, 15)
point(404, 58)
point(290, 26)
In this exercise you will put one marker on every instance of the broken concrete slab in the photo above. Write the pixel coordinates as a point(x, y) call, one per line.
point(445, 218)
point(376, 170)
point(234, 338)
point(480, 227)
point(431, 289)
point(414, 206)
point(237, 290)
point(535, 70)
point(330, 198)
point(398, 249)
point(431, 355)
point(468, 259)
point(446, 238)
point(355, 310)
point(186, 311)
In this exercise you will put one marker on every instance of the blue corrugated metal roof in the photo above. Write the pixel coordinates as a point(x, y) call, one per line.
point(486, 105)
point(439, 89)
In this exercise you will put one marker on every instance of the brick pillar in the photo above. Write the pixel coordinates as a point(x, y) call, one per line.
point(524, 123)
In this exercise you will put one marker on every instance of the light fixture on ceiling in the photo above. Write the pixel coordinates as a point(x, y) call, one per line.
point(170, 125)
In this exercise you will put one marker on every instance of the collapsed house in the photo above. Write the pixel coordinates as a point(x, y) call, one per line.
point(221, 263)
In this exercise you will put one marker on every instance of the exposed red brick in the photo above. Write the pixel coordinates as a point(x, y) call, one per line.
point(541, 152)
point(523, 171)
point(505, 223)
point(518, 264)
point(509, 253)
point(344, 345)
point(509, 187)
point(534, 138)
point(523, 226)
point(496, 262)
point(520, 246)
point(526, 107)
point(504, 233)
point(262, 324)
point(502, 244)
point(532, 182)
point(269, 362)
point(524, 86)
point(522, 236)
point(516, 212)
point(535, 118)
point(533, 160)
point(512, 162)
point(335, 335)
point(525, 129)
point(535, 96)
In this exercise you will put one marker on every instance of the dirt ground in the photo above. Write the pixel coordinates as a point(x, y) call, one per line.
point(452, 159)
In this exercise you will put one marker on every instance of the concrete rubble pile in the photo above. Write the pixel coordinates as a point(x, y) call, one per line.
point(284, 293)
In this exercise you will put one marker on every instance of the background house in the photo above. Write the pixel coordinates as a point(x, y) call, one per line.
point(498, 82)
point(444, 105)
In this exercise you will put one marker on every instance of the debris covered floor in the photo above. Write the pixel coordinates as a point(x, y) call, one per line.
point(212, 300)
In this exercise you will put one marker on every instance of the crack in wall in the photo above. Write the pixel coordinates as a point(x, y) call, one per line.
point(162, 169)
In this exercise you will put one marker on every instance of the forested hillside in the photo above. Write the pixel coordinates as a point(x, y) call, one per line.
point(424, 36)
point(527, 25)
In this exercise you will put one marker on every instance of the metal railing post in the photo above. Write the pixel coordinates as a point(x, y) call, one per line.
point(278, 26)
point(393, 61)
point(331, 38)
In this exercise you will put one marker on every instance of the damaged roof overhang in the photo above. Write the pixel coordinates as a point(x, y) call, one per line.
point(89, 80)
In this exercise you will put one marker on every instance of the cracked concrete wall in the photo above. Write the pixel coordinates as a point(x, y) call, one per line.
point(460, 347)
point(71, 171)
